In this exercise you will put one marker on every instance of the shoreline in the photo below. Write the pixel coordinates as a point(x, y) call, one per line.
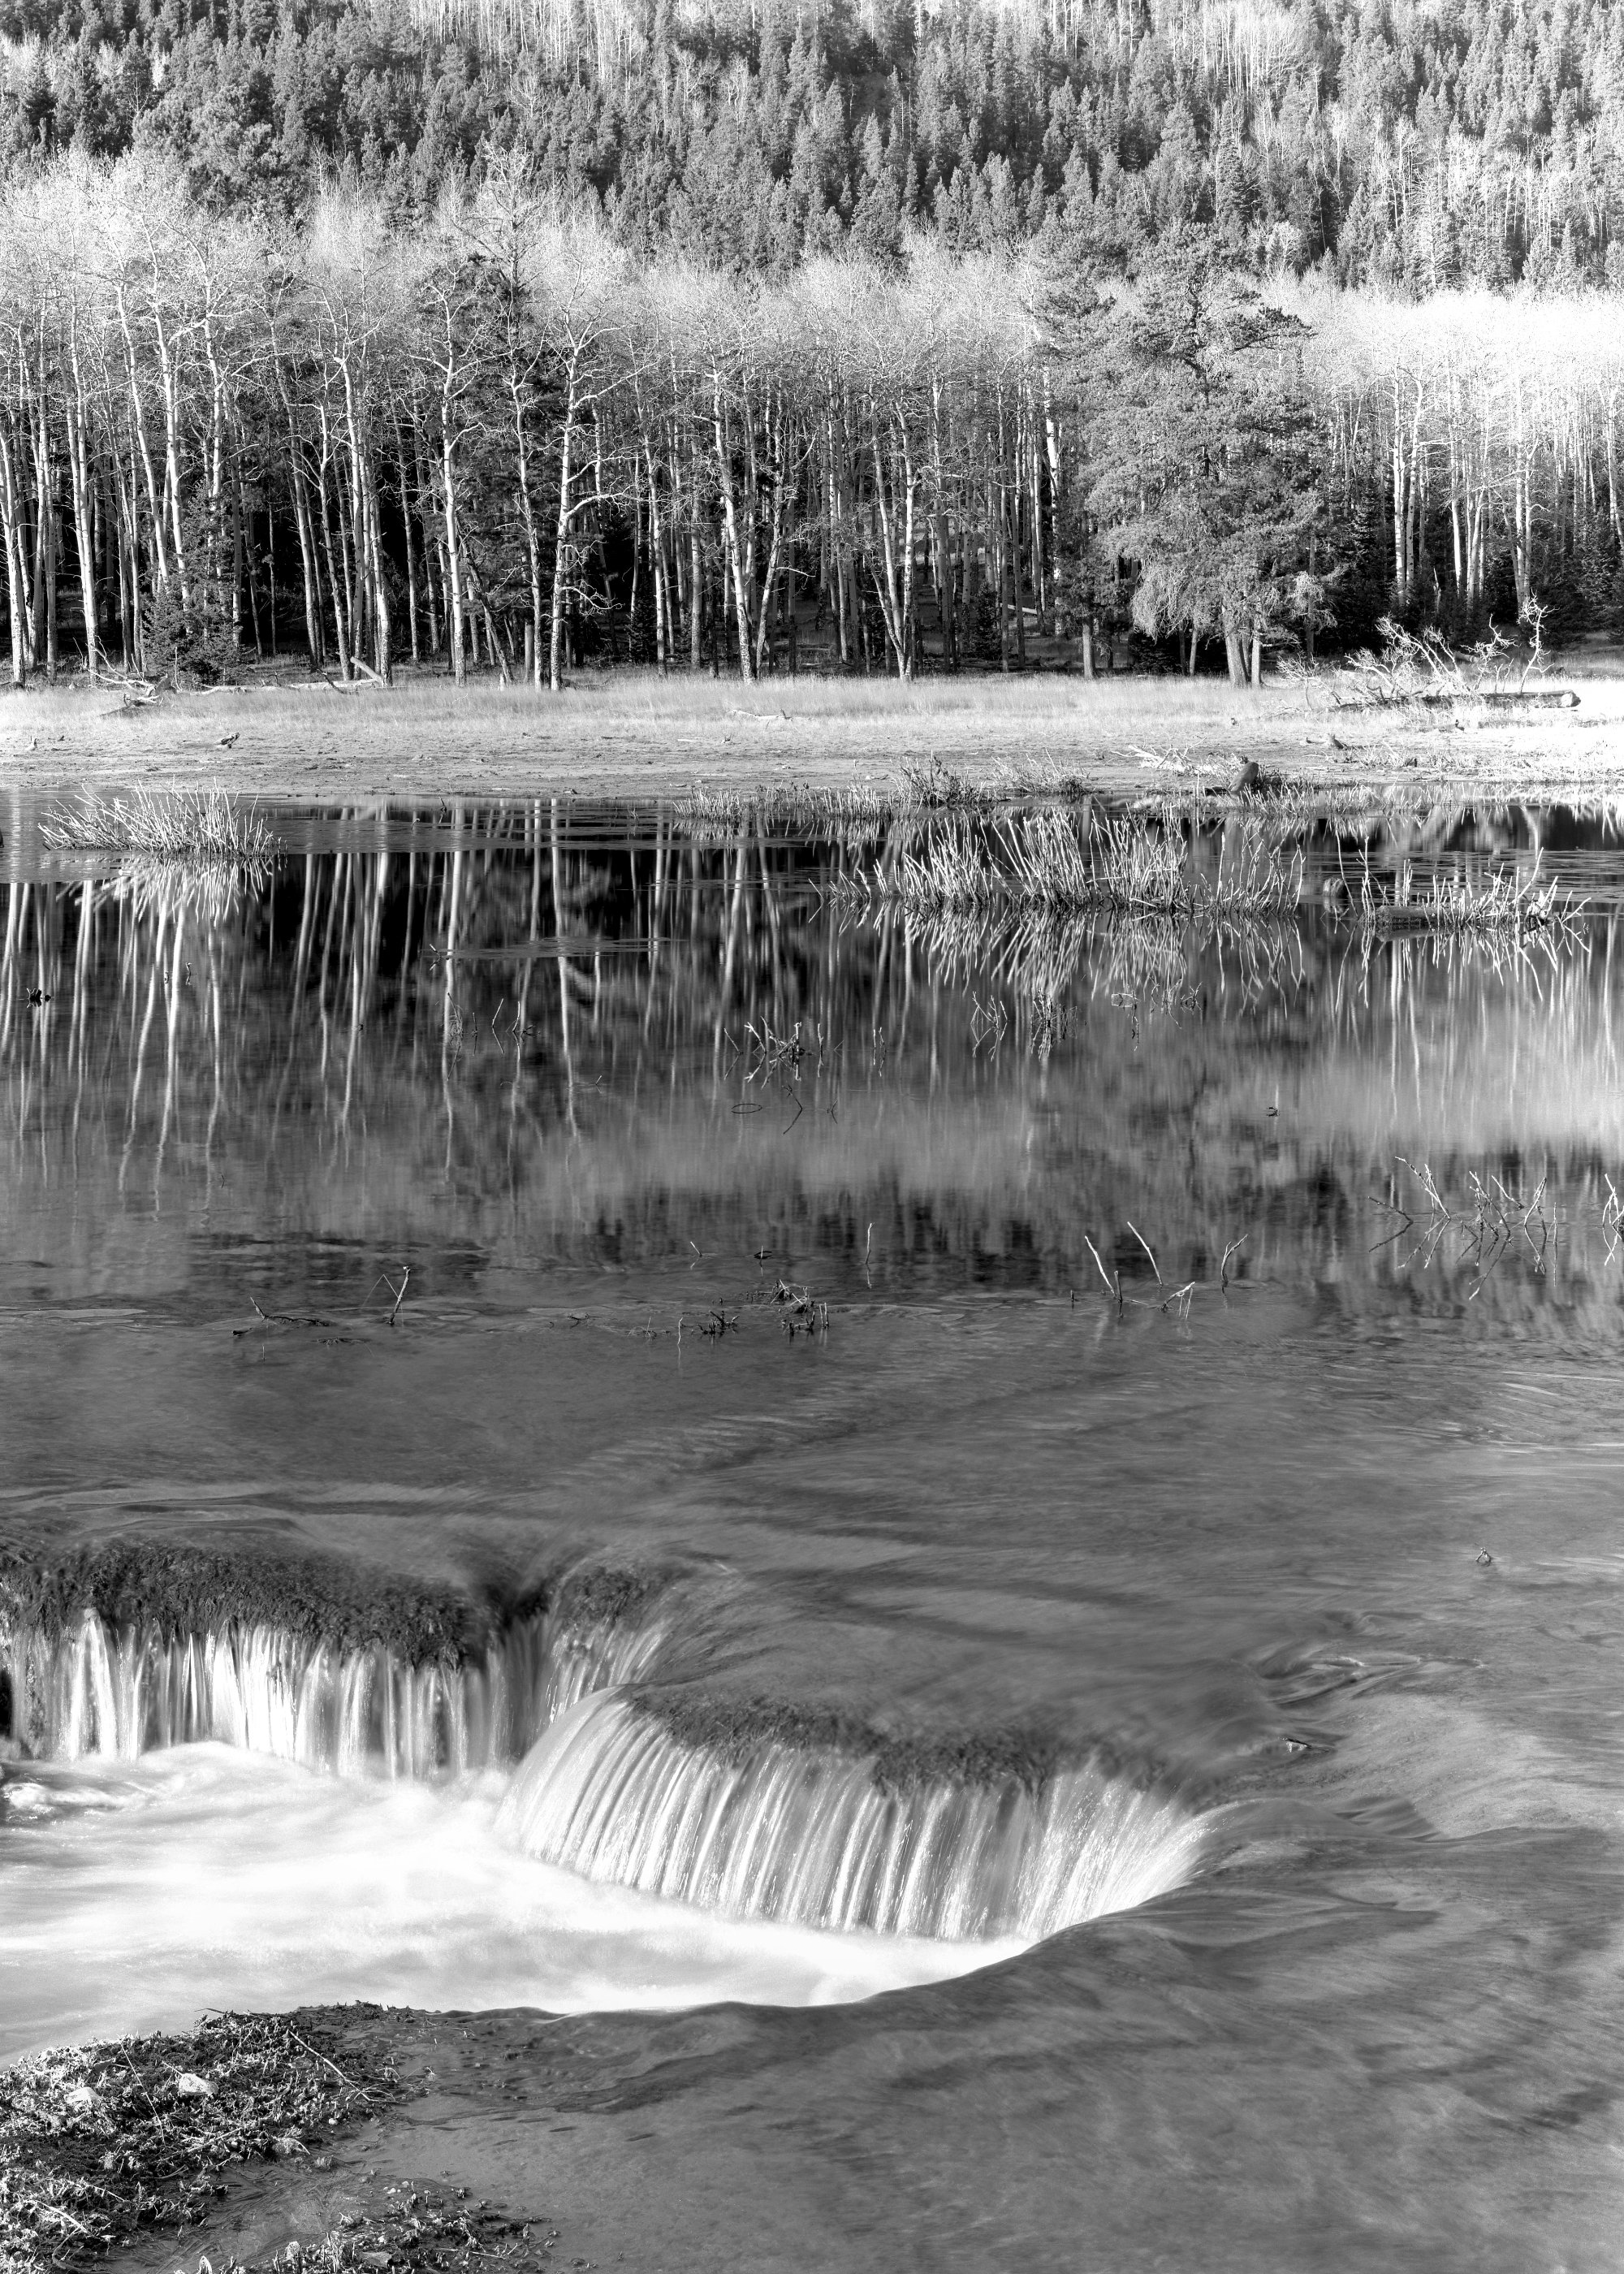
point(295, 2135)
point(634, 737)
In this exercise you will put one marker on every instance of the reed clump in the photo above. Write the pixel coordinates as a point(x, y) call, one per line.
point(1494, 904)
point(205, 825)
point(1122, 863)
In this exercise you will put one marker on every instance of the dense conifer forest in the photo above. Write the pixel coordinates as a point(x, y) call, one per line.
point(511, 334)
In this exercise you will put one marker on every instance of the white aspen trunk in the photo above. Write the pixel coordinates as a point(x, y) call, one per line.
point(730, 522)
point(1051, 443)
point(562, 537)
point(454, 547)
point(657, 548)
point(779, 491)
point(160, 542)
point(411, 550)
point(9, 503)
point(83, 516)
point(532, 540)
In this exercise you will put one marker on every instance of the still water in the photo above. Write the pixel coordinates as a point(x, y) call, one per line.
point(1024, 1522)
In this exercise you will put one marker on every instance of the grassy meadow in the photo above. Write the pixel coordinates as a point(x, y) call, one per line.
point(631, 733)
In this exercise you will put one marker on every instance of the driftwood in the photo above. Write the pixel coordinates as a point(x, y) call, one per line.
point(1534, 698)
point(133, 693)
point(354, 686)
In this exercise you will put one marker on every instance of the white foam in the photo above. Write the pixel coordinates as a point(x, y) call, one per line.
point(137, 1894)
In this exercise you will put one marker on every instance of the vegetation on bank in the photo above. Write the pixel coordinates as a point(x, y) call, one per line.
point(1169, 864)
point(102, 2143)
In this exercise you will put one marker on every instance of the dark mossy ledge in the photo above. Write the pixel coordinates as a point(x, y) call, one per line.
point(597, 1594)
point(733, 1728)
point(1028, 1755)
point(181, 1589)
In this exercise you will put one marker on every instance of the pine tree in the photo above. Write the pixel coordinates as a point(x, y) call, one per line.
point(1205, 448)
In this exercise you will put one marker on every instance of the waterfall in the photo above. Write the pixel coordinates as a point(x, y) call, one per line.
point(775, 1831)
point(116, 1692)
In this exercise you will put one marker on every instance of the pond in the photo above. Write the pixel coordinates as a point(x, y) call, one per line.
point(989, 1539)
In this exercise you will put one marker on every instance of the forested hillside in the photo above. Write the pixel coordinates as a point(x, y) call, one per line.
point(500, 335)
point(1424, 143)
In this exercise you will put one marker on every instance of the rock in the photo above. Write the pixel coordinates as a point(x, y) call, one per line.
point(193, 2086)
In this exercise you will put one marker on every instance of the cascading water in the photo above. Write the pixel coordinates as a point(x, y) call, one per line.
point(811, 1830)
point(808, 1835)
point(98, 1690)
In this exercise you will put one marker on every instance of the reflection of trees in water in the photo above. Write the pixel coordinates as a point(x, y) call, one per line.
point(544, 1038)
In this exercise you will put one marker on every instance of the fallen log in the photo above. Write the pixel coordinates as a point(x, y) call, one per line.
point(1538, 698)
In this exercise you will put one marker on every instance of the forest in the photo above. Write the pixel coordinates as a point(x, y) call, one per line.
point(498, 335)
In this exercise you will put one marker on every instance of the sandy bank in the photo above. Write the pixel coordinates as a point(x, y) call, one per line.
point(632, 735)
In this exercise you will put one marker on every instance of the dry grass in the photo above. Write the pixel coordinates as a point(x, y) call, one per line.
point(630, 734)
point(194, 825)
point(418, 695)
point(1495, 903)
point(846, 811)
point(1127, 701)
point(1119, 863)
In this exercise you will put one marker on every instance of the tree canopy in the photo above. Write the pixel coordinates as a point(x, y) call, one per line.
point(1415, 144)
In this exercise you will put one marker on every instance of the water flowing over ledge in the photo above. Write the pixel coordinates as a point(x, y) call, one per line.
point(810, 1835)
point(115, 1679)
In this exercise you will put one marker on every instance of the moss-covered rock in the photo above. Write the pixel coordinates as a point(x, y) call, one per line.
point(184, 1589)
point(736, 1728)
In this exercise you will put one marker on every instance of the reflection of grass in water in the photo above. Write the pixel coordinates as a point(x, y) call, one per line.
point(1134, 865)
point(1142, 964)
point(1146, 963)
point(1036, 953)
point(206, 824)
point(1501, 1041)
point(168, 889)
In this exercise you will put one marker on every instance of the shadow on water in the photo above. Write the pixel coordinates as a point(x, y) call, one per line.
point(1076, 1447)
